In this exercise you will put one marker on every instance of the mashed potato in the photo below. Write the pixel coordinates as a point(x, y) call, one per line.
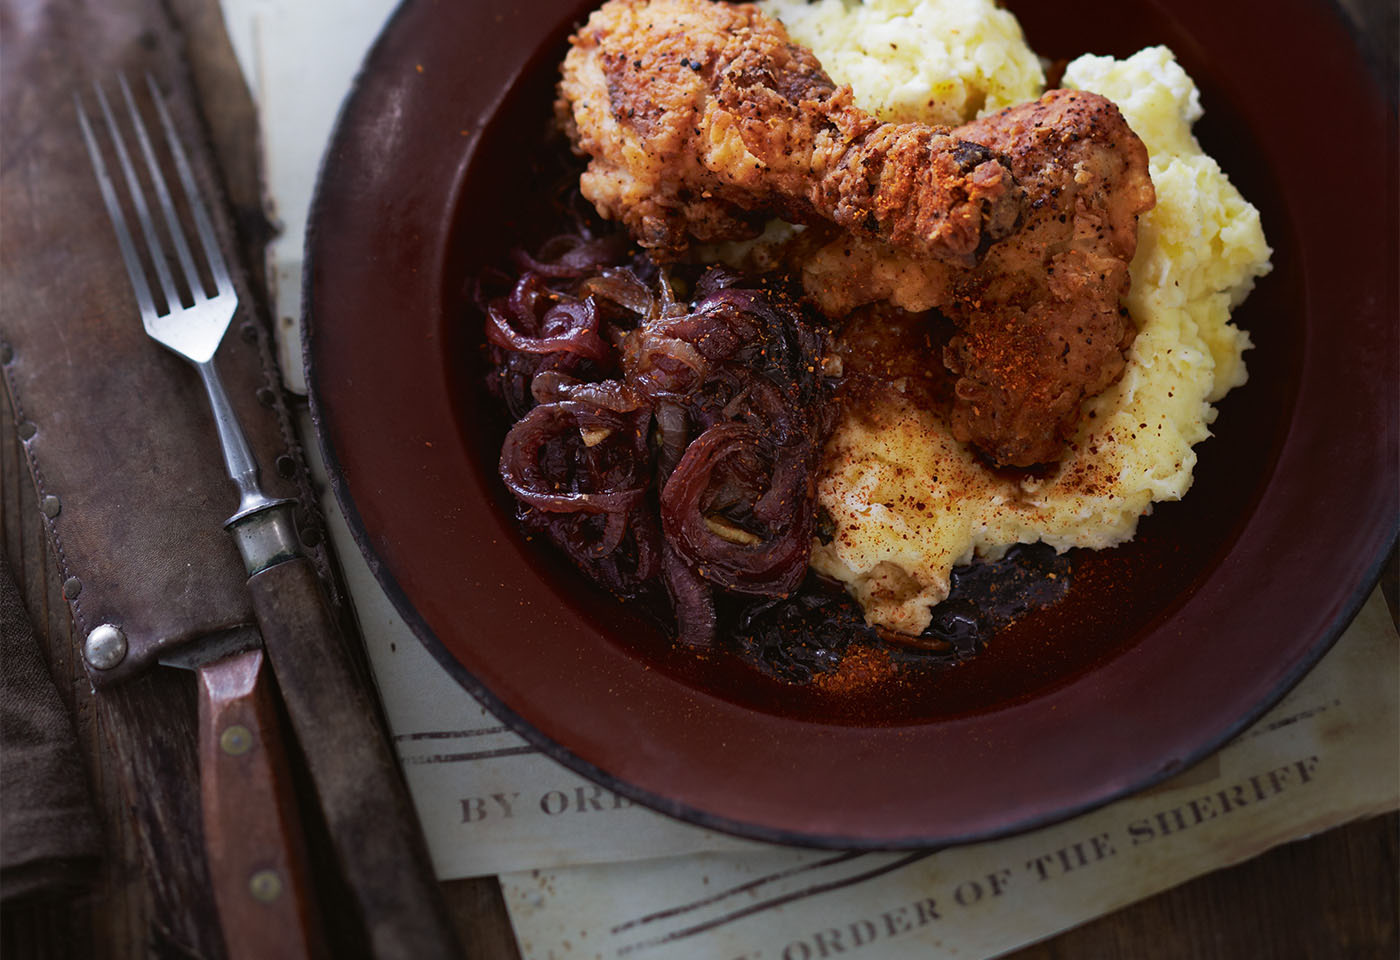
point(946, 62)
point(909, 502)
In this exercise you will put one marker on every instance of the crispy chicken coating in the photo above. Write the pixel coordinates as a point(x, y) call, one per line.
point(702, 120)
point(1041, 321)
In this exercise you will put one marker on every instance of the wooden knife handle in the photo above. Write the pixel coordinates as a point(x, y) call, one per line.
point(373, 825)
point(257, 854)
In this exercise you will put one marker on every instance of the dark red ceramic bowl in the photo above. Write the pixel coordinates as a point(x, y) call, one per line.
point(1164, 648)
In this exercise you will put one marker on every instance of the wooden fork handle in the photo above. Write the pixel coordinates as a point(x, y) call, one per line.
point(373, 826)
point(257, 854)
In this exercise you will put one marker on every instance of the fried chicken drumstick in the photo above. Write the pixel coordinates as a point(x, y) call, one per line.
point(1041, 321)
point(702, 121)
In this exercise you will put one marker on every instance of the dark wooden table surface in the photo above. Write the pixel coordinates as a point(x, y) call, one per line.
point(1333, 895)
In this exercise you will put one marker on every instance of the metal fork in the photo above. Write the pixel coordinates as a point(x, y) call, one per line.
point(371, 820)
point(262, 526)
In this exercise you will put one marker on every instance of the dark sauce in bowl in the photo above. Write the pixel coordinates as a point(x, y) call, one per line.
point(820, 635)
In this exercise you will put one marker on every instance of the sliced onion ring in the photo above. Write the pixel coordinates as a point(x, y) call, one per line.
point(520, 460)
point(775, 565)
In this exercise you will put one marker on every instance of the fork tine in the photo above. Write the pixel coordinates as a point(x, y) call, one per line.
point(114, 211)
point(201, 219)
point(138, 201)
point(172, 221)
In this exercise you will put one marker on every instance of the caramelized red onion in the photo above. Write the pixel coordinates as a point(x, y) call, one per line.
point(667, 449)
point(738, 510)
point(573, 456)
point(532, 320)
point(552, 386)
point(572, 255)
point(624, 288)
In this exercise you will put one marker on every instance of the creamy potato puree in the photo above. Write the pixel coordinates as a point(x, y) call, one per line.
point(946, 62)
point(909, 502)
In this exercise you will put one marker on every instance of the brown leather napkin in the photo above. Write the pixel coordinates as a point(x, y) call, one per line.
point(49, 840)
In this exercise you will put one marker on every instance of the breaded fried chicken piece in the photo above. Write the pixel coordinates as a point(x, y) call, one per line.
point(1041, 321)
point(703, 120)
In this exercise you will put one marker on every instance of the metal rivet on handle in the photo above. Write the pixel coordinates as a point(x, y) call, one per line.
point(105, 646)
point(7, 353)
point(51, 506)
point(236, 740)
point(71, 588)
point(27, 430)
point(265, 886)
